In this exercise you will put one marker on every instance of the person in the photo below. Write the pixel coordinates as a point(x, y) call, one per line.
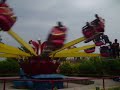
point(88, 30)
point(115, 48)
point(87, 25)
point(98, 23)
point(106, 39)
point(97, 20)
point(60, 24)
point(110, 49)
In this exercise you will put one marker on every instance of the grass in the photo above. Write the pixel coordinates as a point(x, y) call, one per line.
point(113, 88)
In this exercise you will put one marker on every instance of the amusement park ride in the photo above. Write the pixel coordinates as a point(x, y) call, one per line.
point(38, 60)
point(33, 62)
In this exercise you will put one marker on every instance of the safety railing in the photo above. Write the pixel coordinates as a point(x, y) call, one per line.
point(69, 79)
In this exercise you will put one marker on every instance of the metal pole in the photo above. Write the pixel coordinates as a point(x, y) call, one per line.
point(4, 81)
point(67, 84)
point(52, 82)
point(103, 84)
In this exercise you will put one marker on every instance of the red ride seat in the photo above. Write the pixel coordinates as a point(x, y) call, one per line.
point(90, 50)
point(88, 31)
point(58, 33)
point(99, 28)
point(57, 37)
point(98, 41)
point(104, 51)
point(98, 25)
point(58, 42)
point(4, 23)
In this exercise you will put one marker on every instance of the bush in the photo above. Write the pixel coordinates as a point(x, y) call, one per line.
point(91, 66)
point(66, 68)
point(88, 67)
point(9, 66)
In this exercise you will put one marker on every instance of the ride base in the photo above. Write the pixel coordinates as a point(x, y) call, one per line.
point(44, 84)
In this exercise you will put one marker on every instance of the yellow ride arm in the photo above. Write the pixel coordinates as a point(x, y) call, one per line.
point(5, 46)
point(9, 56)
point(69, 44)
point(12, 50)
point(21, 41)
point(75, 54)
point(77, 49)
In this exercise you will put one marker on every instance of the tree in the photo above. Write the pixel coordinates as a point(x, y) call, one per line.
point(0, 39)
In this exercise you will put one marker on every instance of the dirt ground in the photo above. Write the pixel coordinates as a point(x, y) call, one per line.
point(72, 86)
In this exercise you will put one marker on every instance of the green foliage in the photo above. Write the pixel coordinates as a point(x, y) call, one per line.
point(91, 66)
point(114, 88)
point(66, 67)
point(9, 66)
point(0, 39)
point(88, 67)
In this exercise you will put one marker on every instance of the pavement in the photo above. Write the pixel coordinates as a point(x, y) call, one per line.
point(109, 83)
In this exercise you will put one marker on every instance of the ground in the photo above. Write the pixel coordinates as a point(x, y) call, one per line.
point(98, 83)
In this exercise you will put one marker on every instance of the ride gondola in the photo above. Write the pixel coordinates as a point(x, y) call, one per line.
point(90, 50)
point(57, 37)
point(7, 17)
point(105, 51)
point(88, 30)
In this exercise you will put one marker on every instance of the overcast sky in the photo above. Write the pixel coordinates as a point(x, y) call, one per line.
point(36, 17)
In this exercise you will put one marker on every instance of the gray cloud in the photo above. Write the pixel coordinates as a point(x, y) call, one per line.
point(36, 17)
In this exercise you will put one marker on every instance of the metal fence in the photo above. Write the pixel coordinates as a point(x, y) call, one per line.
point(67, 80)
